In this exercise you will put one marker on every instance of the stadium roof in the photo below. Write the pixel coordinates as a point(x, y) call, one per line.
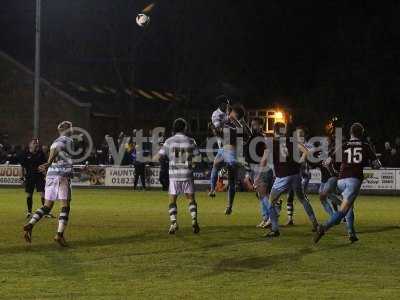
point(102, 98)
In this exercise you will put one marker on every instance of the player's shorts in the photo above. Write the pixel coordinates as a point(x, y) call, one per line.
point(34, 182)
point(267, 178)
point(229, 157)
point(181, 187)
point(220, 154)
point(57, 188)
point(284, 184)
point(350, 188)
point(329, 186)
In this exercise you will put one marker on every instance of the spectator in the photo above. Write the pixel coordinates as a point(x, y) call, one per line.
point(369, 141)
point(12, 155)
point(134, 132)
point(120, 139)
point(394, 159)
point(103, 151)
point(5, 143)
point(397, 144)
point(93, 158)
point(46, 150)
point(3, 154)
point(386, 155)
point(140, 169)
point(129, 154)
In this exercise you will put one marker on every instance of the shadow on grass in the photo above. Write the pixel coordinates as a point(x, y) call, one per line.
point(379, 229)
point(209, 238)
point(32, 248)
point(264, 262)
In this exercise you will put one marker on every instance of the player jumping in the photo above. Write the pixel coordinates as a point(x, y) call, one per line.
point(218, 119)
point(287, 156)
point(356, 154)
point(227, 156)
point(58, 184)
point(180, 150)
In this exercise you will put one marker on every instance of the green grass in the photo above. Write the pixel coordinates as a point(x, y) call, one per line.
point(120, 249)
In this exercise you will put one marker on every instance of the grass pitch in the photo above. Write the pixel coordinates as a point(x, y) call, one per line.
point(120, 249)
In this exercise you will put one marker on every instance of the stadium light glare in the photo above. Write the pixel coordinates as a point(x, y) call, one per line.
point(279, 115)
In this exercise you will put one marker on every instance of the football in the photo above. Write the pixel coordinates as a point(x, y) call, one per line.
point(142, 20)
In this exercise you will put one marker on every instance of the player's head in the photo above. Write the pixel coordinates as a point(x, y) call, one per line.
point(237, 112)
point(357, 130)
point(301, 133)
point(256, 124)
point(64, 128)
point(331, 126)
point(180, 126)
point(279, 129)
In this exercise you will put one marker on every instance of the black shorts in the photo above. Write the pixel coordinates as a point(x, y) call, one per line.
point(37, 182)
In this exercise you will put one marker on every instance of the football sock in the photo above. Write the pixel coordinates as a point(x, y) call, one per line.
point(350, 222)
point(63, 220)
point(39, 214)
point(29, 203)
point(173, 211)
point(193, 210)
point(231, 194)
point(231, 186)
point(264, 205)
point(214, 178)
point(273, 214)
point(290, 206)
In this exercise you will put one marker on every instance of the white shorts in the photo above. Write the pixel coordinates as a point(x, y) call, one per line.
point(57, 188)
point(181, 187)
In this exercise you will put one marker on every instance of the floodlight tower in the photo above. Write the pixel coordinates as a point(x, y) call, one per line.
point(36, 105)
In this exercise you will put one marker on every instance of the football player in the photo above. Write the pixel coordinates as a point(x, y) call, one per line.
point(228, 155)
point(355, 155)
point(287, 156)
point(58, 183)
point(180, 151)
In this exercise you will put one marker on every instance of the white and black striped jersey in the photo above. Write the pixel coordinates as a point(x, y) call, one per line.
point(62, 165)
point(180, 150)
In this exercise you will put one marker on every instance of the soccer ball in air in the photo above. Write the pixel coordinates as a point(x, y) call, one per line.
point(142, 20)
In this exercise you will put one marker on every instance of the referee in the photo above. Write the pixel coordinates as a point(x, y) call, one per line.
point(30, 160)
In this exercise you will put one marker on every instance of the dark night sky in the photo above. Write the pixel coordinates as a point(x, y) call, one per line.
point(332, 54)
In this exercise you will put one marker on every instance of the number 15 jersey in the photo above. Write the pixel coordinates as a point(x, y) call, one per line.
point(356, 154)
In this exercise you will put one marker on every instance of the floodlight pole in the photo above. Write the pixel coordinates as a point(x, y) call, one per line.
point(36, 105)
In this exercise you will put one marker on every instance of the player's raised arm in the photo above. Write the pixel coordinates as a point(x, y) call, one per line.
point(374, 161)
point(196, 153)
point(54, 150)
point(304, 152)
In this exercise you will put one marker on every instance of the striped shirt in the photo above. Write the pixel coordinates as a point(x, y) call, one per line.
point(62, 165)
point(180, 150)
